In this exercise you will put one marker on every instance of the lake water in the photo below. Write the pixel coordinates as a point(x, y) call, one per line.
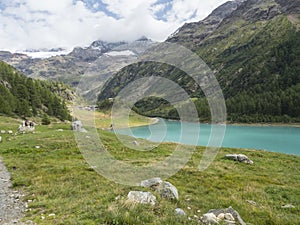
point(270, 138)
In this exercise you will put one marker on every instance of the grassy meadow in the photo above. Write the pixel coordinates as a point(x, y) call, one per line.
point(61, 188)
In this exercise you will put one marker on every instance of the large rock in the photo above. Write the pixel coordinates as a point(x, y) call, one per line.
point(164, 188)
point(167, 190)
point(151, 183)
point(239, 157)
point(141, 197)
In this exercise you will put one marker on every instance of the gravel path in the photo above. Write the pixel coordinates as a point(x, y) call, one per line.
point(11, 206)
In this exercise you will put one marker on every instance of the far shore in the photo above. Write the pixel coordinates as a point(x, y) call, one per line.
point(156, 120)
point(266, 124)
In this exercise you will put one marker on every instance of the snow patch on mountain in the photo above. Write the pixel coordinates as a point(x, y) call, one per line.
point(44, 54)
point(120, 53)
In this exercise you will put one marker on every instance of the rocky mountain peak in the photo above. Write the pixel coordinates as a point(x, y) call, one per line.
point(255, 10)
point(205, 27)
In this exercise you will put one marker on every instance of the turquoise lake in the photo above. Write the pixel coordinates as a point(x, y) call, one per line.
point(269, 138)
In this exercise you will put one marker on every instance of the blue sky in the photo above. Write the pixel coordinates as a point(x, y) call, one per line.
point(32, 24)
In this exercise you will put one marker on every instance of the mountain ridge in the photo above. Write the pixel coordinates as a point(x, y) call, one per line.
point(254, 54)
point(87, 63)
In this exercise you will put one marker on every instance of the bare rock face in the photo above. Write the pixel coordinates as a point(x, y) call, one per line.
point(198, 31)
point(289, 7)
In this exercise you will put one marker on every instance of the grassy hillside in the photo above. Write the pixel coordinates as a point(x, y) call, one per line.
point(57, 180)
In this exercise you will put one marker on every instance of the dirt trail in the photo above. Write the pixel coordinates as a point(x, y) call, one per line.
point(11, 206)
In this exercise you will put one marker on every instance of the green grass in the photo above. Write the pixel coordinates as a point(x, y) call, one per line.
point(58, 180)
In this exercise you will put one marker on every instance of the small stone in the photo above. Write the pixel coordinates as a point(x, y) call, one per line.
point(37, 147)
point(198, 211)
point(239, 157)
point(189, 208)
point(43, 217)
point(2, 132)
point(180, 212)
point(10, 132)
point(228, 216)
point(251, 202)
point(221, 216)
point(60, 130)
point(51, 215)
point(196, 217)
point(135, 143)
point(288, 206)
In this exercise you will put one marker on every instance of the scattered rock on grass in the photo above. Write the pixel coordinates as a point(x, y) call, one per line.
point(151, 183)
point(135, 143)
point(141, 197)
point(229, 215)
point(0, 139)
point(167, 190)
point(239, 157)
point(251, 202)
point(288, 206)
point(209, 219)
point(180, 212)
point(164, 188)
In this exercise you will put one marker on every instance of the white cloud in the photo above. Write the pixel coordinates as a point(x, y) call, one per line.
point(27, 24)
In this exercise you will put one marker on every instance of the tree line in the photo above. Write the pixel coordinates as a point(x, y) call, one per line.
point(25, 97)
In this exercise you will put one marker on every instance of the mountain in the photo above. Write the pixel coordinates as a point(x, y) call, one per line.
point(193, 33)
point(25, 97)
point(95, 63)
point(253, 48)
